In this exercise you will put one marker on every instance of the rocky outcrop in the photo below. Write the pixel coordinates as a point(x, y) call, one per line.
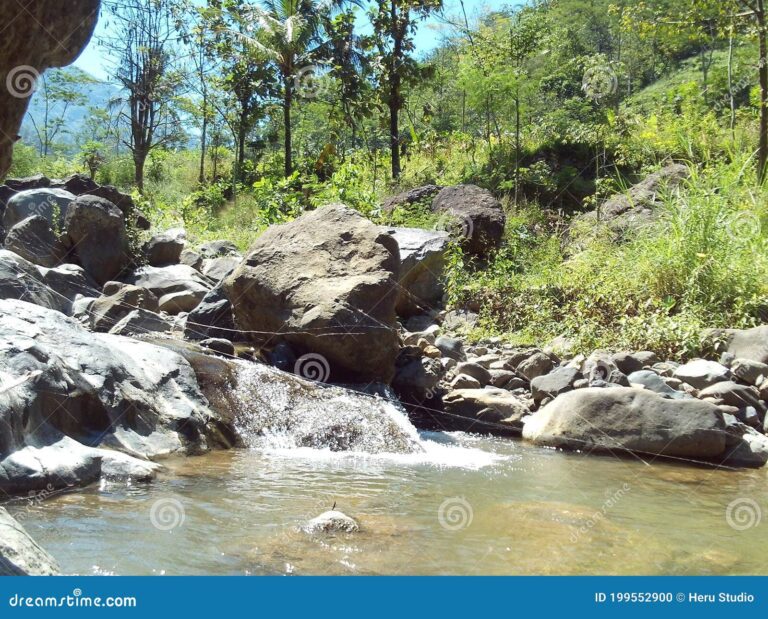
point(629, 420)
point(44, 34)
point(634, 209)
point(422, 265)
point(19, 553)
point(473, 214)
point(75, 403)
point(327, 284)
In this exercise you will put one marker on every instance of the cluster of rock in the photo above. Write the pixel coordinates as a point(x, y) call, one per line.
point(622, 402)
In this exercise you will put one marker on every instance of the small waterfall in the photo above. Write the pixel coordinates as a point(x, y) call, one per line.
point(282, 411)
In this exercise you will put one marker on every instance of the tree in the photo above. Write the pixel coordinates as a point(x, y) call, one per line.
point(394, 23)
point(62, 90)
point(244, 82)
point(143, 40)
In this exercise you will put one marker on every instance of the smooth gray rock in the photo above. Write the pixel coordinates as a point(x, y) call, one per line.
point(475, 214)
point(142, 322)
point(50, 204)
point(107, 311)
point(20, 555)
point(560, 380)
point(179, 288)
point(217, 269)
point(476, 371)
point(95, 231)
point(451, 347)
point(536, 365)
point(701, 373)
point(493, 411)
point(165, 248)
point(422, 265)
point(733, 394)
point(748, 371)
point(34, 240)
point(653, 382)
point(629, 420)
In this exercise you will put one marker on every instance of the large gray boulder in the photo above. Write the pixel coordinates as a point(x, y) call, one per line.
point(50, 204)
point(422, 265)
point(74, 401)
point(213, 317)
point(106, 311)
point(179, 288)
point(95, 231)
point(327, 284)
point(623, 419)
point(19, 553)
point(474, 214)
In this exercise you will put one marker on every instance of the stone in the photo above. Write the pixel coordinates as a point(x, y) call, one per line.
point(422, 265)
point(701, 373)
point(629, 420)
point(536, 365)
point(627, 362)
point(749, 344)
point(493, 411)
point(68, 282)
point(191, 258)
point(732, 394)
point(745, 447)
point(419, 196)
point(474, 214)
point(653, 382)
point(83, 395)
point(213, 317)
point(218, 249)
point(417, 379)
point(179, 288)
point(476, 371)
point(142, 322)
point(559, 381)
point(219, 346)
point(460, 321)
point(748, 371)
point(165, 248)
point(95, 230)
point(33, 240)
point(20, 555)
point(20, 279)
point(326, 283)
point(107, 311)
point(44, 35)
point(636, 208)
point(50, 204)
point(36, 181)
point(451, 347)
point(217, 269)
point(600, 366)
point(463, 381)
point(501, 378)
point(331, 522)
point(76, 184)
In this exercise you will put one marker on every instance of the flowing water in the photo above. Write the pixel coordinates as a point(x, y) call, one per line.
point(442, 504)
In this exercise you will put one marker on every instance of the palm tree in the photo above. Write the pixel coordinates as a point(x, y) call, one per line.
point(289, 35)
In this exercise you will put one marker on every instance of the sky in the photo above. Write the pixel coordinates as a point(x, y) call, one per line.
point(429, 35)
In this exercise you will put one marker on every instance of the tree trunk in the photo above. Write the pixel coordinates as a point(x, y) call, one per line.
point(395, 85)
point(394, 137)
point(762, 151)
point(203, 142)
point(287, 103)
point(139, 160)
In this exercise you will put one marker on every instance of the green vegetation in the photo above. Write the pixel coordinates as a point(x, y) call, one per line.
point(555, 106)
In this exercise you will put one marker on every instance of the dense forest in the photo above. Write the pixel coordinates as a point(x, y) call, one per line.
point(228, 117)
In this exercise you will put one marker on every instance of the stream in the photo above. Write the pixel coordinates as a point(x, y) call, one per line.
point(463, 504)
